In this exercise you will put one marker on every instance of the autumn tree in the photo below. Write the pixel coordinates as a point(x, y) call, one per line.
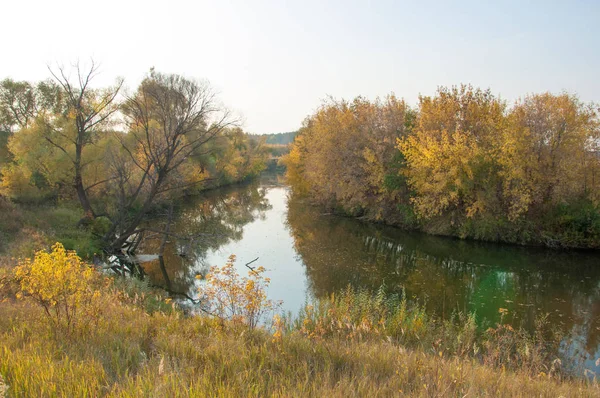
point(170, 119)
point(462, 164)
point(88, 110)
point(20, 104)
point(451, 156)
point(239, 157)
point(52, 125)
point(176, 138)
point(17, 104)
point(26, 108)
point(549, 153)
point(344, 155)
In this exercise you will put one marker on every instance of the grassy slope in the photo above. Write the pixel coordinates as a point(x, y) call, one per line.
point(142, 347)
point(26, 228)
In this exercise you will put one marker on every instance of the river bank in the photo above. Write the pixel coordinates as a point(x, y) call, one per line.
point(160, 352)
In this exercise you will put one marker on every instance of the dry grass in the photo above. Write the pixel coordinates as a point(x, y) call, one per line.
point(360, 315)
point(142, 347)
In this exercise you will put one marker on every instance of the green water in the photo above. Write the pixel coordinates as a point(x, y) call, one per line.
point(311, 254)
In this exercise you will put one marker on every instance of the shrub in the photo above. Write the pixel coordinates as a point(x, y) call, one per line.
point(61, 284)
point(244, 300)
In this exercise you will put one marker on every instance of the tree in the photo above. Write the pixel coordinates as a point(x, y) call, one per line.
point(20, 105)
point(24, 161)
point(170, 119)
point(17, 104)
point(344, 155)
point(89, 110)
point(240, 157)
point(451, 155)
point(549, 153)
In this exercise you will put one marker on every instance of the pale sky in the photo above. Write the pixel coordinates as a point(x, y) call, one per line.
point(275, 61)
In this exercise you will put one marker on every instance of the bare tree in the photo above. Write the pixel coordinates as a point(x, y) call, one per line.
point(91, 109)
point(170, 118)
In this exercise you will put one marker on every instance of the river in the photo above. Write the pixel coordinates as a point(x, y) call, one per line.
point(309, 254)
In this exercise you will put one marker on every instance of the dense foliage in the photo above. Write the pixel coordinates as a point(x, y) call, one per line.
point(462, 163)
point(61, 284)
point(118, 157)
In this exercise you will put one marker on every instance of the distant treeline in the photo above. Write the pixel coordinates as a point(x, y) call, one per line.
point(277, 138)
point(462, 163)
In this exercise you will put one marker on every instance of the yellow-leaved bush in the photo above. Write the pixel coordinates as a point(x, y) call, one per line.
point(62, 285)
point(228, 296)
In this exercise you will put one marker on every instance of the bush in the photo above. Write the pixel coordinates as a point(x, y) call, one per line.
point(242, 300)
point(62, 285)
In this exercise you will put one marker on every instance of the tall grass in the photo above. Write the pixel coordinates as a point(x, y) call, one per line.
point(359, 315)
point(353, 344)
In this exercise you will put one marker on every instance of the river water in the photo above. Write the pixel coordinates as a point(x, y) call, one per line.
point(310, 254)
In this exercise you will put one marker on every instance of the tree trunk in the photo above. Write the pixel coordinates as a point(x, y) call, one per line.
point(119, 241)
point(83, 198)
point(78, 183)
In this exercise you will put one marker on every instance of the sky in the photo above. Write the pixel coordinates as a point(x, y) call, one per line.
point(274, 62)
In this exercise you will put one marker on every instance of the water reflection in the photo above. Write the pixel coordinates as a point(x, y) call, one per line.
point(309, 253)
point(203, 225)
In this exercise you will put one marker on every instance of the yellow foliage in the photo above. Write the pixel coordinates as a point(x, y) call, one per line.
point(294, 166)
point(468, 155)
point(59, 282)
point(345, 150)
point(463, 164)
point(549, 152)
point(278, 326)
point(441, 171)
point(15, 183)
point(230, 297)
point(239, 157)
point(450, 156)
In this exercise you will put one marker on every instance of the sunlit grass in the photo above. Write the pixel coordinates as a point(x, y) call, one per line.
point(359, 315)
point(144, 347)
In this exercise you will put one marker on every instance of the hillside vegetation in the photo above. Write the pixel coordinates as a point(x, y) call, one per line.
point(276, 138)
